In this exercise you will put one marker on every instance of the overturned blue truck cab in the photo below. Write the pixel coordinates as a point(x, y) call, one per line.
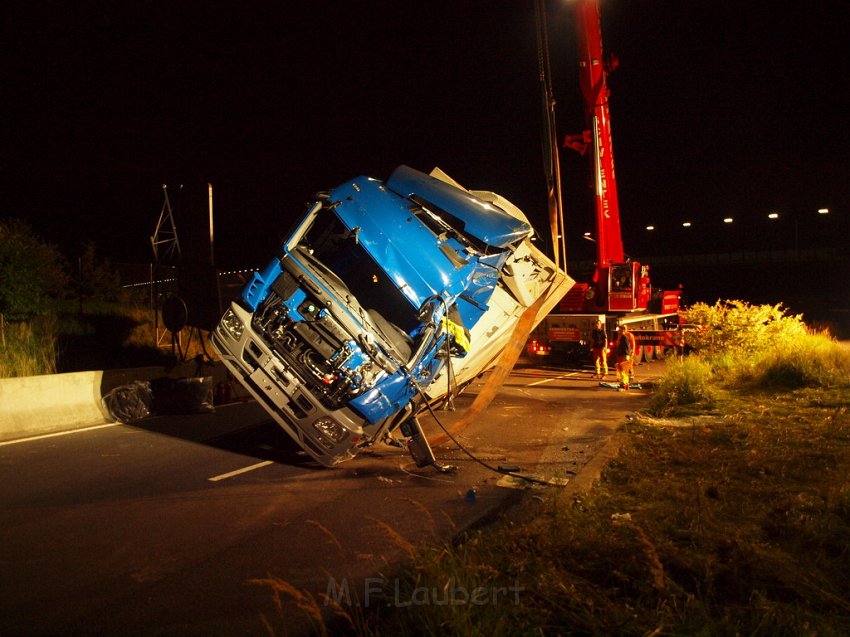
point(387, 297)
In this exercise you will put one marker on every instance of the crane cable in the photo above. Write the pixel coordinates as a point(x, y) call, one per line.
point(500, 470)
point(551, 159)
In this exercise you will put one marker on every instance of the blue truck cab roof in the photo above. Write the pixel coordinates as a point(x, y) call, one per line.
point(480, 219)
point(421, 262)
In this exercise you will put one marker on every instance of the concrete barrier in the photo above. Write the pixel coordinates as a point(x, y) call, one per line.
point(34, 405)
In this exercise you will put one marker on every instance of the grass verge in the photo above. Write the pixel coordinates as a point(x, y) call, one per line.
point(732, 522)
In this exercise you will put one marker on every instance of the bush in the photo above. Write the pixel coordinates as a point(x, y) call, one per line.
point(758, 346)
point(32, 273)
point(741, 329)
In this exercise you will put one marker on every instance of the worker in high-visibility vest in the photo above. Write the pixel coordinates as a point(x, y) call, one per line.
point(599, 349)
point(624, 350)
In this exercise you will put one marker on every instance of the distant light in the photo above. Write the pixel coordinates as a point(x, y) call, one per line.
point(687, 224)
point(728, 220)
point(586, 234)
point(823, 211)
point(773, 215)
point(650, 227)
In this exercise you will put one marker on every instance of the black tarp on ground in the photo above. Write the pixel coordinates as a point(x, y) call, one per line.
point(158, 397)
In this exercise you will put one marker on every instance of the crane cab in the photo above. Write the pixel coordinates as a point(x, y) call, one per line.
point(629, 289)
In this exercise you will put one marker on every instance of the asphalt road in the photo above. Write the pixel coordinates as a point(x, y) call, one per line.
point(193, 525)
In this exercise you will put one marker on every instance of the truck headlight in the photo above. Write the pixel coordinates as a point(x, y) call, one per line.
point(232, 325)
point(330, 428)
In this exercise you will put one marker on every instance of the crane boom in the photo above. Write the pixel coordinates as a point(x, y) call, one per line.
point(594, 87)
point(618, 284)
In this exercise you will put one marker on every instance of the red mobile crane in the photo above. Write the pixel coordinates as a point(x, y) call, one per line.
point(620, 289)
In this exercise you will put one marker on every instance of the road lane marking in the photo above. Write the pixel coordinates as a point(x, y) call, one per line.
point(230, 474)
point(58, 433)
point(549, 380)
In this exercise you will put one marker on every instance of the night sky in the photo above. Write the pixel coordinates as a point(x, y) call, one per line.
point(719, 108)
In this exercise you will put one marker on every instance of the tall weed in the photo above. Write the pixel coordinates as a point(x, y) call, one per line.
point(686, 382)
point(29, 348)
point(812, 360)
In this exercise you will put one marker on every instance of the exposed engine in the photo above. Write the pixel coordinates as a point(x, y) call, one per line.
point(316, 348)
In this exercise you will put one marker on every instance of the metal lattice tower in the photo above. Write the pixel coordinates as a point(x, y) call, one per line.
point(166, 231)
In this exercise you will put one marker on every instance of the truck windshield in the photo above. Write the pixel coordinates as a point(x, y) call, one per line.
point(337, 252)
